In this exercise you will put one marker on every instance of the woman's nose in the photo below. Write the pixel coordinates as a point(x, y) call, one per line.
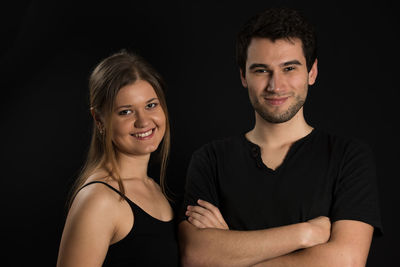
point(142, 120)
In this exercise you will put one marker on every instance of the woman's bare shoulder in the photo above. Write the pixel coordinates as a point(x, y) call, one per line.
point(96, 199)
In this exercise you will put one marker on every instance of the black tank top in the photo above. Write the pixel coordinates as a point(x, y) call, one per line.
point(150, 242)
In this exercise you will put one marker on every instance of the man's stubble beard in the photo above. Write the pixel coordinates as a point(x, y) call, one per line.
point(273, 117)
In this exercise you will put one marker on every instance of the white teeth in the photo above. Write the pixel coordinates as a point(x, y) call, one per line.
point(144, 134)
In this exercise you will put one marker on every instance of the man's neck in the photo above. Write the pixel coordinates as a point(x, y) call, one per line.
point(274, 135)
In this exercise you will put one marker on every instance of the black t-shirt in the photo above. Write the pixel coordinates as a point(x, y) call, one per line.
point(321, 175)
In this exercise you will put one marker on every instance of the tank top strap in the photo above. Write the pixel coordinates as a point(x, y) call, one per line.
point(135, 208)
point(109, 186)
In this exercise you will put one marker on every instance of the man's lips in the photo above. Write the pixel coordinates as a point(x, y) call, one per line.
point(275, 101)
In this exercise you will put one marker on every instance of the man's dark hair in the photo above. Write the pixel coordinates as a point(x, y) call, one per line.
point(274, 24)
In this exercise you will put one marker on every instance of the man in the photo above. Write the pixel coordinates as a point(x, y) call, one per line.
point(277, 184)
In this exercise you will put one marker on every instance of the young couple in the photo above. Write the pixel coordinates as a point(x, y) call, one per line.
point(282, 194)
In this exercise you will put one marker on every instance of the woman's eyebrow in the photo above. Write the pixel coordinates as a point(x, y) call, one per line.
point(154, 98)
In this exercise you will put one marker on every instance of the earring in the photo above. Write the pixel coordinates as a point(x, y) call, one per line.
point(101, 128)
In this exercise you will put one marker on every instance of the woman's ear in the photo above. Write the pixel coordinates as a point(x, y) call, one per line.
point(97, 119)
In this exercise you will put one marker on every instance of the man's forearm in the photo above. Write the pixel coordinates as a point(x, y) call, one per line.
point(215, 247)
point(348, 246)
point(321, 255)
point(324, 255)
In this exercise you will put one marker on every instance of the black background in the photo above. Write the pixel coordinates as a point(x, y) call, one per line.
point(49, 48)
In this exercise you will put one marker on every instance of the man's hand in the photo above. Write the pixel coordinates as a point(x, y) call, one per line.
point(320, 231)
point(206, 240)
point(206, 215)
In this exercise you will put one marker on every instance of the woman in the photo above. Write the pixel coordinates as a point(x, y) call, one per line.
point(118, 215)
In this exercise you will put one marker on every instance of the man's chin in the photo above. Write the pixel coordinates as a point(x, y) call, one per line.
point(275, 118)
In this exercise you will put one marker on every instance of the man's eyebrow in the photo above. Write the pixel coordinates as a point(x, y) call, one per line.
point(265, 66)
point(258, 65)
point(291, 62)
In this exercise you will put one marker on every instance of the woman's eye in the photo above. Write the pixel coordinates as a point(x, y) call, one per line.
point(151, 105)
point(125, 112)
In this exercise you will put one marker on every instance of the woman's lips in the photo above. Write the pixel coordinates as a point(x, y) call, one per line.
point(144, 135)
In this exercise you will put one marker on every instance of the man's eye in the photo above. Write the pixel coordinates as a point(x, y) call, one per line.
point(289, 68)
point(125, 112)
point(261, 71)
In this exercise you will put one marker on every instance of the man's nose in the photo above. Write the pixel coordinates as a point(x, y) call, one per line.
point(275, 83)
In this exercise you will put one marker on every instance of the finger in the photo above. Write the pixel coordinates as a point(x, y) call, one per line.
point(212, 221)
point(214, 210)
point(196, 223)
point(200, 210)
point(210, 207)
point(205, 217)
point(205, 212)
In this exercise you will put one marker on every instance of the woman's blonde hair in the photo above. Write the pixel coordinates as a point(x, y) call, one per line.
point(109, 76)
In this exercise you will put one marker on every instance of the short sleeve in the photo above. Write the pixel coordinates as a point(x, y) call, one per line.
point(201, 179)
point(356, 192)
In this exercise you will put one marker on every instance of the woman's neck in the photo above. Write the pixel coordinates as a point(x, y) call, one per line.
point(132, 166)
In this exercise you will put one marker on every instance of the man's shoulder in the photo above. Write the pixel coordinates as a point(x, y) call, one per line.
point(222, 145)
point(339, 141)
